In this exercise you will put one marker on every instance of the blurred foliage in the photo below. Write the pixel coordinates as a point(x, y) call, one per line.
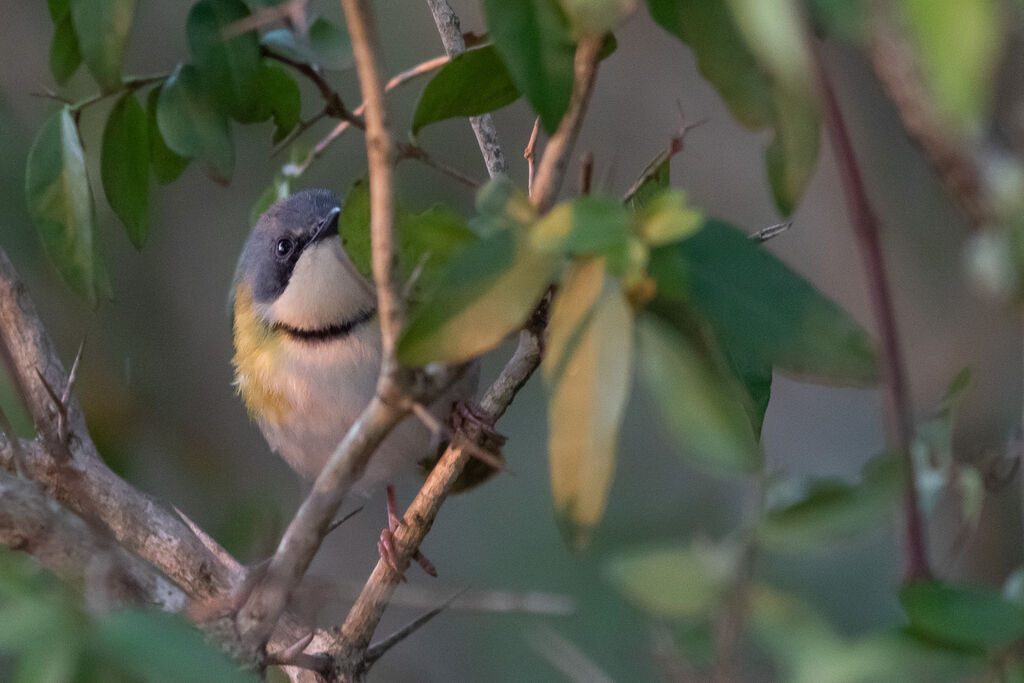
point(702, 312)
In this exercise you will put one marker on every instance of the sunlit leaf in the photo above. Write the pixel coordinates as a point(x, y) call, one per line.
point(668, 218)
point(162, 647)
point(484, 293)
point(959, 47)
point(228, 68)
point(828, 511)
point(65, 56)
point(475, 82)
point(192, 126)
point(590, 224)
point(587, 371)
point(534, 42)
point(595, 17)
point(698, 403)
point(760, 309)
point(102, 27)
point(124, 166)
point(60, 201)
point(166, 164)
point(969, 616)
point(676, 582)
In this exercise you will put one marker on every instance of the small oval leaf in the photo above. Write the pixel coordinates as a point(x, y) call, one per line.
point(60, 201)
point(229, 68)
point(964, 615)
point(124, 166)
point(167, 165)
point(102, 27)
point(65, 56)
point(475, 82)
point(592, 224)
point(191, 125)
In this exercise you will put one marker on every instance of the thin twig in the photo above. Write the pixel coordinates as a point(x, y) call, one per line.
point(565, 656)
point(448, 26)
point(290, 12)
point(335, 107)
point(866, 229)
point(586, 172)
point(530, 154)
point(551, 170)
point(410, 151)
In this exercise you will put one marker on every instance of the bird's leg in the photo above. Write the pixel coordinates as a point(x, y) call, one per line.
point(386, 544)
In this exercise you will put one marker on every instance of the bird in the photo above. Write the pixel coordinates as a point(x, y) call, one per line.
point(308, 348)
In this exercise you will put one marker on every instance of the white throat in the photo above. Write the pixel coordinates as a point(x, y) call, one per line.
point(325, 289)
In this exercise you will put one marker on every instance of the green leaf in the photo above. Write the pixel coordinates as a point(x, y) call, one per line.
point(595, 17)
point(740, 58)
point(698, 403)
point(485, 293)
point(959, 46)
point(761, 311)
point(124, 166)
point(192, 126)
point(161, 647)
point(502, 206)
point(968, 616)
point(278, 98)
point(326, 45)
point(590, 224)
point(667, 218)
point(102, 27)
point(475, 82)
point(587, 371)
point(166, 164)
point(534, 42)
point(65, 57)
point(60, 201)
point(828, 511)
point(676, 582)
point(229, 69)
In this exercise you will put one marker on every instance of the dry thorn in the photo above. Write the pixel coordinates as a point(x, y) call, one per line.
point(530, 154)
point(7, 430)
point(765, 234)
point(335, 524)
point(586, 172)
point(378, 649)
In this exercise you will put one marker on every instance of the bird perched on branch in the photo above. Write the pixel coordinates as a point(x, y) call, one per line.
point(308, 347)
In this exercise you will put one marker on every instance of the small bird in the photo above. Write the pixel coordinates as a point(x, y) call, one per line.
point(308, 347)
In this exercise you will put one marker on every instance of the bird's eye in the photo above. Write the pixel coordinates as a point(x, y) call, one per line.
point(284, 247)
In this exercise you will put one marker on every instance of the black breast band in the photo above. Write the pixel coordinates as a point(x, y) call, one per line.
point(329, 333)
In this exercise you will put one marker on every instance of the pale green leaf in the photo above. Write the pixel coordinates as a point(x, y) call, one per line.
point(102, 27)
point(60, 201)
point(590, 224)
point(124, 166)
point(699, 405)
point(587, 371)
point(166, 164)
point(668, 218)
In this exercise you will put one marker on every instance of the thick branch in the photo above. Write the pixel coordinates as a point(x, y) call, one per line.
point(867, 231)
point(77, 552)
point(483, 126)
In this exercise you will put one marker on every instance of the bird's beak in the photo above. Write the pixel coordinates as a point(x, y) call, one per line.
point(328, 226)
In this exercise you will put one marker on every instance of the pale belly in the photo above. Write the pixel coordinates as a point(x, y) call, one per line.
point(326, 385)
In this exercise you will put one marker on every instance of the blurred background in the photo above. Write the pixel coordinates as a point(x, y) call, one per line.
point(155, 379)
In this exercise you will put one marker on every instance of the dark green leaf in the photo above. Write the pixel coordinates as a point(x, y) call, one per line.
point(586, 368)
point(60, 201)
point(161, 647)
point(65, 57)
point(326, 46)
point(102, 27)
point(759, 308)
point(676, 582)
point(589, 224)
point(535, 44)
point(485, 292)
point(473, 83)
point(166, 164)
point(58, 8)
point(229, 69)
point(699, 404)
point(968, 616)
point(828, 511)
point(124, 166)
point(283, 97)
point(192, 126)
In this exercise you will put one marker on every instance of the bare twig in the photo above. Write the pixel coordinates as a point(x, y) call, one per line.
point(380, 648)
point(530, 154)
point(291, 12)
point(335, 108)
point(483, 126)
point(7, 432)
point(551, 170)
point(586, 172)
point(865, 224)
point(675, 146)
point(565, 656)
point(409, 151)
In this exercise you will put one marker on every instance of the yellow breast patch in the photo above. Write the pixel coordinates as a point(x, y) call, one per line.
point(256, 348)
